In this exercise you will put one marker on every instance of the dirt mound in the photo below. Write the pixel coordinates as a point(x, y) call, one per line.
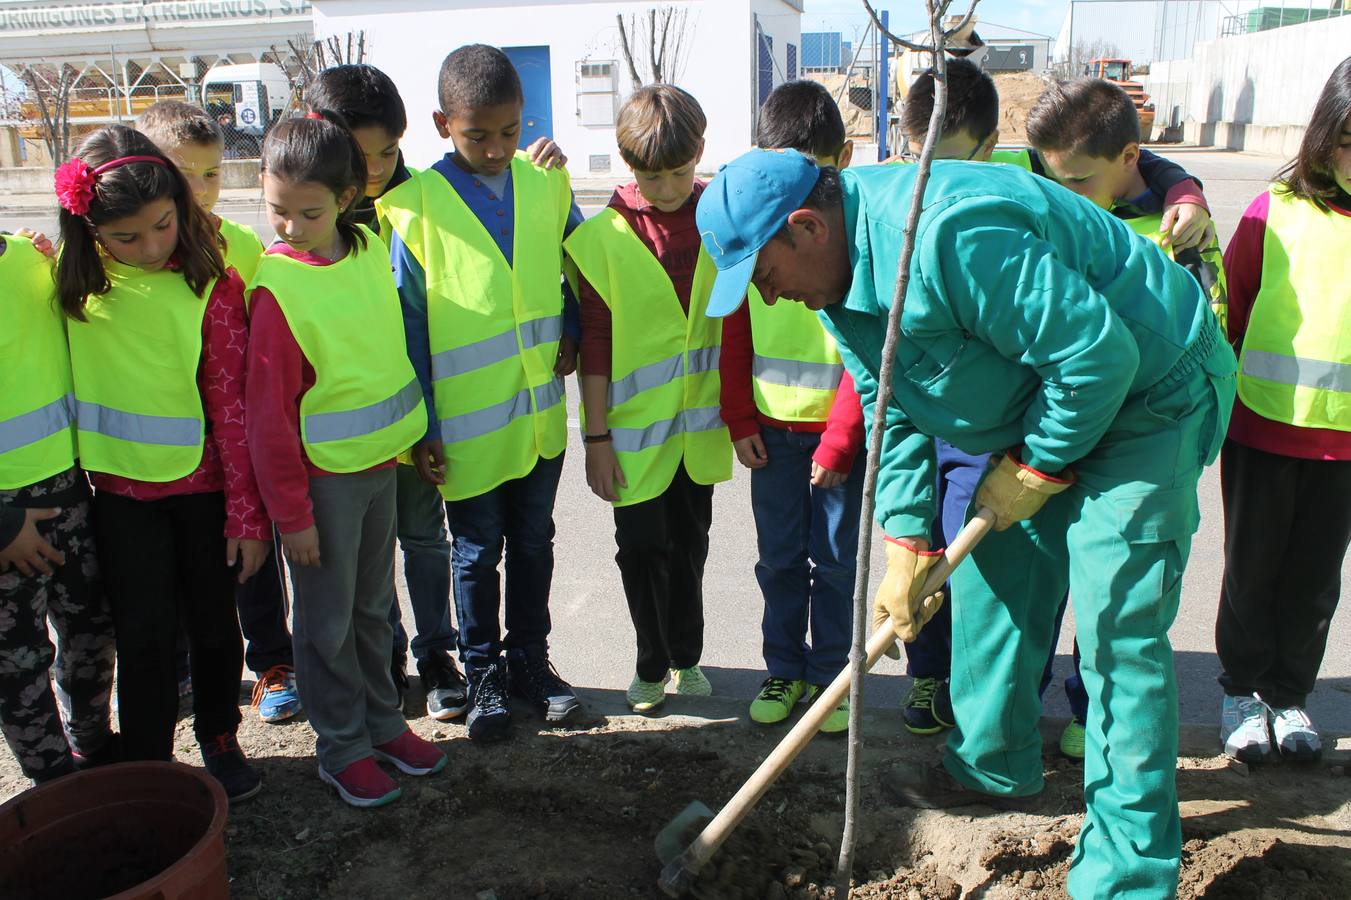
point(1018, 91)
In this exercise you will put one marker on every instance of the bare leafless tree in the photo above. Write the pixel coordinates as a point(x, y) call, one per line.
point(663, 33)
point(1083, 51)
point(49, 88)
point(303, 59)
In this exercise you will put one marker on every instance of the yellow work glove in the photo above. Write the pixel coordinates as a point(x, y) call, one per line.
point(898, 597)
point(1014, 492)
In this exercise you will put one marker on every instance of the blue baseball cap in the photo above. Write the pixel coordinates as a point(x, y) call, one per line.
point(741, 209)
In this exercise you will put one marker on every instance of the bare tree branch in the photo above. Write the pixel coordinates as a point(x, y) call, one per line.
point(628, 54)
point(858, 657)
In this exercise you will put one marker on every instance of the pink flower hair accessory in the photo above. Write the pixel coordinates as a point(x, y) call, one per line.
point(75, 181)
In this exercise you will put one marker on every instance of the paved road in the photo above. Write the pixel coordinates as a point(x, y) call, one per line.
point(592, 638)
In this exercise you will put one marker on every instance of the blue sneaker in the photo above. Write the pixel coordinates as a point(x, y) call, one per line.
point(275, 694)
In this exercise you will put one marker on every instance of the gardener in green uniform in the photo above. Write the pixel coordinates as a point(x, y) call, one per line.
point(1038, 327)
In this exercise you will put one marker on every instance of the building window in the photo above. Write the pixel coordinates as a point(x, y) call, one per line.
point(790, 70)
point(597, 92)
point(764, 66)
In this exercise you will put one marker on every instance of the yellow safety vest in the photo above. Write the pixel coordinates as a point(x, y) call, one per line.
point(494, 329)
point(134, 361)
point(796, 369)
point(1022, 158)
point(1149, 227)
point(37, 400)
point(366, 405)
point(664, 403)
point(243, 249)
point(1296, 361)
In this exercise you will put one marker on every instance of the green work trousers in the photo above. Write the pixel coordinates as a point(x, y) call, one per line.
point(1118, 540)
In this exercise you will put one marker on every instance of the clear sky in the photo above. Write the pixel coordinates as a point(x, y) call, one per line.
point(1130, 26)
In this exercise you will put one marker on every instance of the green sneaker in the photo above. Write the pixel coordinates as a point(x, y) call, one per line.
point(838, 720)
point(645, 696)
point(917, 709)
point(776, 699)
point(691, 682)
point(1072, 740)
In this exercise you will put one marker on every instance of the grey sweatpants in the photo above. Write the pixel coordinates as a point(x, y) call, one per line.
point(341, 630)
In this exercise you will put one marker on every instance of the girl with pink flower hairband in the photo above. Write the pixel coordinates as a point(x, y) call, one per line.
point(158, 334)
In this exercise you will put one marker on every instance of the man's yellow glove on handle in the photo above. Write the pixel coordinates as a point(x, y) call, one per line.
point(898, 597)
point(1014, 492)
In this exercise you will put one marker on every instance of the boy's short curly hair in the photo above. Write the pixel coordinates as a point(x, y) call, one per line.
point(173, 123)
point(1087, 115)
point(475, 76)
point(660, 127)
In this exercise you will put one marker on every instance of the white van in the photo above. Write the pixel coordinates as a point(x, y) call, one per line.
point(247, 97)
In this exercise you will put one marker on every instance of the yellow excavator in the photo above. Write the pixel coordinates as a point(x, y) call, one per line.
point(1118, 71)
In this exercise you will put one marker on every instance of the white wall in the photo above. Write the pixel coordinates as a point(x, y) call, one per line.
point(1252, 91)
point(409, 38)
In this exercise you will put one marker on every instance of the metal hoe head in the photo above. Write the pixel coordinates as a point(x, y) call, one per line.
point(676, 836)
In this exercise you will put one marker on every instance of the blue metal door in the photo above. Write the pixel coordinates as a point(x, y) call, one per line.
point(537, 118)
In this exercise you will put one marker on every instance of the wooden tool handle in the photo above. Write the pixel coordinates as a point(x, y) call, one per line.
point(678, 874)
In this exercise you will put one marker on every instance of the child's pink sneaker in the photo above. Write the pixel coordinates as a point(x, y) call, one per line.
point(362, 784)
point(411, 754)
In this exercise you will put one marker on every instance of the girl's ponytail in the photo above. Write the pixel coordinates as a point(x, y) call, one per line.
point(117, 171)
point(319, 147)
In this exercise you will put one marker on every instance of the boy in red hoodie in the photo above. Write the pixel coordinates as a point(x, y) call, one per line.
point(655, 445)
point(796, 423)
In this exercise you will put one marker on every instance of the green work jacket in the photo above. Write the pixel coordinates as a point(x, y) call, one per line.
point(1032, 316)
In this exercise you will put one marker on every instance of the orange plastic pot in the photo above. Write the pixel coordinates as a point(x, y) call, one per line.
point(134, 831)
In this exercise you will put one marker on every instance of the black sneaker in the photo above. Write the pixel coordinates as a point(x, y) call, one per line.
point(447, 691)
point(917, 710)
point(535, 680)
point(489, 716)
point(941, 705)
point(226, 763)
point(109, 753)
point(398, 670)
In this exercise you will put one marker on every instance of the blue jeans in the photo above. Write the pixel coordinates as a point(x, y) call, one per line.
point(421, 522)
point(514, 519)
point(808, 542)
point(930, 654)
point(1074, 684)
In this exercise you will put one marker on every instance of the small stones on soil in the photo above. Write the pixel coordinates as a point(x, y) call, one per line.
point(946, 889)
point(1238, 767)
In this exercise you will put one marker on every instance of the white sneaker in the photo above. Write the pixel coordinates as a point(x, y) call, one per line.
point(1295, 735)
point(1244, 729)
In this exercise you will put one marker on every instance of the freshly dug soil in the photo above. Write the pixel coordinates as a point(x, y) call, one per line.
point(574, 814)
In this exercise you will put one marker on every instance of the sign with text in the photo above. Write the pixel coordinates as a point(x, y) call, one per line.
point(55, 17)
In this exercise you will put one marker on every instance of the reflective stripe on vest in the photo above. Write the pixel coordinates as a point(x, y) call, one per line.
point(134, 361)
point(796, 369)
point(664, 399)
point(1295, 366)
point(494, 329)
point(37, 434)
point(1213, 281)
point(365, 406)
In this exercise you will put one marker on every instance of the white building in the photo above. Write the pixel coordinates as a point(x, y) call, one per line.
point(572, 64)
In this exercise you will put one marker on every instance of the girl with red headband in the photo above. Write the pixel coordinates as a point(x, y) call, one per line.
point(157, 336)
